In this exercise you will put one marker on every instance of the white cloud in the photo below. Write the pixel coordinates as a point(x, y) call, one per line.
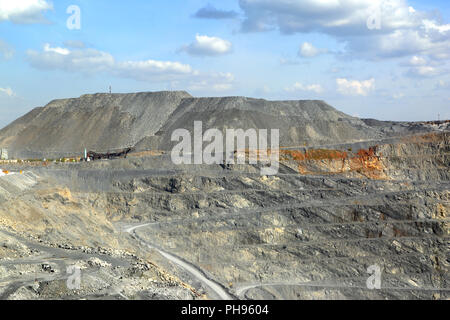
point(433, 25)
point(58, 50)
point(307, 50)
point(417, 61)
point(24, 11)
point(402, 43)
point(90, 61)
point(317, 88)
point(6, 51)
point(208, 46)
point(404, 30)
point(421, 67)
point(354, 87)
point(8, 91)
point(336, 17)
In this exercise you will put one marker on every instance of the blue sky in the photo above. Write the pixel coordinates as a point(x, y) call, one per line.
point(275, 49)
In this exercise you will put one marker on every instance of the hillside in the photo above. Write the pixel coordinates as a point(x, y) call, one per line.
point(301, 123)
point(146, 121)
point(98, 122)
point(106, 122)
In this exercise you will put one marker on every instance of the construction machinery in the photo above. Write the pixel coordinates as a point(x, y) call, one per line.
point(92, 156)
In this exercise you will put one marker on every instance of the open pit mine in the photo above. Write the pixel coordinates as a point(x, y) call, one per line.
point(93, 207)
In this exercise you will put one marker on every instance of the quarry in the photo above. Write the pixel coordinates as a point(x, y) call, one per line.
point(349, 195)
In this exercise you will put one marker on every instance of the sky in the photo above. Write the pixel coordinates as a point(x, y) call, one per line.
point(383, 59)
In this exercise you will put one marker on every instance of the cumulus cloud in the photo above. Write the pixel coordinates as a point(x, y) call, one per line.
point(401, 43)
point(6, 52)
point(59, 50)
point(90, 61)
point(417, 61)
point(211, 12)
point(431, 25)
point(307, 50)
point(344, 17)
point(24, 11)
point(86, 61)
point(317, 88)
point(418, 66)
point(208, 46)
point(355, 87)
point(7, 91)
point(403, 30)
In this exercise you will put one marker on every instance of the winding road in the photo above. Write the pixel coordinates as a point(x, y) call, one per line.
point(215, 288)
